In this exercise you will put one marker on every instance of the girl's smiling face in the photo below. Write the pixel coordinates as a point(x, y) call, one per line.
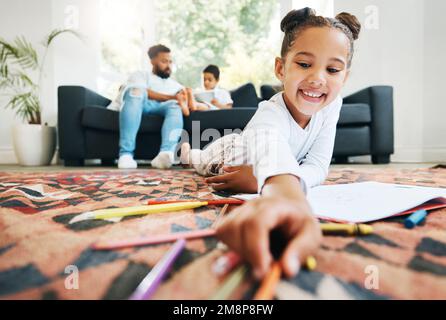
point(313, 71)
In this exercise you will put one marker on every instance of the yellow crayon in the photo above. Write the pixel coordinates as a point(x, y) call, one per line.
point(311, 263)
point(349, 229)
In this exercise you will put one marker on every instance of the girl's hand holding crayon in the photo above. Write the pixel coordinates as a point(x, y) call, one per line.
point(247, 230)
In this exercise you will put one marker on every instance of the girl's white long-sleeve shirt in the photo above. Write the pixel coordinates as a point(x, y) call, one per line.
point(277, 145)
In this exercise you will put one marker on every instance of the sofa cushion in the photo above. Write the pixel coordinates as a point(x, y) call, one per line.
point(245, 96)
point(98, 117)
point(355, 113)
point(220, 119)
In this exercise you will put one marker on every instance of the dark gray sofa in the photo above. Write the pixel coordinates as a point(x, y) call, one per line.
point(87, 130)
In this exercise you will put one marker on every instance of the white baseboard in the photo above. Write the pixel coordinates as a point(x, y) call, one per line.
point(435, 154)
point(405, 154)
point(414, 155)
point(7, 156)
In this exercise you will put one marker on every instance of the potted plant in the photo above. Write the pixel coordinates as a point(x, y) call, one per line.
point(20, 66)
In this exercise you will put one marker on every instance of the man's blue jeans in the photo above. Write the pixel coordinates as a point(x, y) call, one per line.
point(135, 105)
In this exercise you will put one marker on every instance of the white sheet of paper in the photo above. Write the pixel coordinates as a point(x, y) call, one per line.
point(365, 201)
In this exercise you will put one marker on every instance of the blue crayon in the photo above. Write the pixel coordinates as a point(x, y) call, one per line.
point(415, 218)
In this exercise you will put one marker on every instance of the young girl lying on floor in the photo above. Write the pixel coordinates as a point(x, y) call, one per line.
point(288, 143)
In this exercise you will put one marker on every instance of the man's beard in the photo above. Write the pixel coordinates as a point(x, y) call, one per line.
point(164, 74)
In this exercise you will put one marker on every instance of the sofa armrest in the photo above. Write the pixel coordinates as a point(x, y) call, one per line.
point(380, 100)
point(71, 101)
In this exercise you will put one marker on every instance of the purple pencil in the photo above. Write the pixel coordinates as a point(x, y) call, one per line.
point(150, 283)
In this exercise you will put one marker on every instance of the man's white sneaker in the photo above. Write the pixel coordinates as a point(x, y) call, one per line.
point(126, 161)
point(164, 160)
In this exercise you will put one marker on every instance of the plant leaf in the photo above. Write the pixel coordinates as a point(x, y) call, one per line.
point(4, 72)
point(26, 54)
point(24, 104)
point(9, 49)
point(56, 32)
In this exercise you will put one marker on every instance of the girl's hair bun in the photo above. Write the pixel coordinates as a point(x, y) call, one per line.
point(351, 22)
point(294, 18)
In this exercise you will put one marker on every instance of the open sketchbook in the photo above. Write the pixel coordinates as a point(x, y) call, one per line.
point(368, 201)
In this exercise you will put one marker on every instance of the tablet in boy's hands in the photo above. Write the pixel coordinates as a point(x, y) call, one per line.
point(204, 96)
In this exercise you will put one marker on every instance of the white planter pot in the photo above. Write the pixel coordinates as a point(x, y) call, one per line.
point(34, 144)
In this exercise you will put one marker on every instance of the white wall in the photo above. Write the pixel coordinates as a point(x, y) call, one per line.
point(75, 62)
point(404, 52)
point(70, 61)
point(18, 17)
point(434, 106)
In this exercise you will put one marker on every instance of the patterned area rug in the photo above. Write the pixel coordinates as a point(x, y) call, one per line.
point(38, 247)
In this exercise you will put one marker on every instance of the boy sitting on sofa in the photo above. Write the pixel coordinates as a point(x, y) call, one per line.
point(221, 97)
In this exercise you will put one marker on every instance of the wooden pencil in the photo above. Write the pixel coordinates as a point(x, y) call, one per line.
point(216, 202)
point(269, 283)
point(156, 239)
point(220, 216)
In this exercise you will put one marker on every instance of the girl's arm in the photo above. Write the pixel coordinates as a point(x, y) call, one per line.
point(314, 168)
point(281, 207)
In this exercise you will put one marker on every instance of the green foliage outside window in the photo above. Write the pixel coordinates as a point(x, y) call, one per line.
point(233, 34)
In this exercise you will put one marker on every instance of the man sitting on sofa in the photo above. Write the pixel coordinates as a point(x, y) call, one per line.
point(151, 93)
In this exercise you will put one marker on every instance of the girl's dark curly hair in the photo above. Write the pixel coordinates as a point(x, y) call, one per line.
point(298, 20)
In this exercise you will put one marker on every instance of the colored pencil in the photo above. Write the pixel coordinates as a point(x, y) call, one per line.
point(150, 283)
point(233, 281)
point(138, 210)
point(157, 239)
point(221, 214)
point(209, 202)
point(269, 283)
